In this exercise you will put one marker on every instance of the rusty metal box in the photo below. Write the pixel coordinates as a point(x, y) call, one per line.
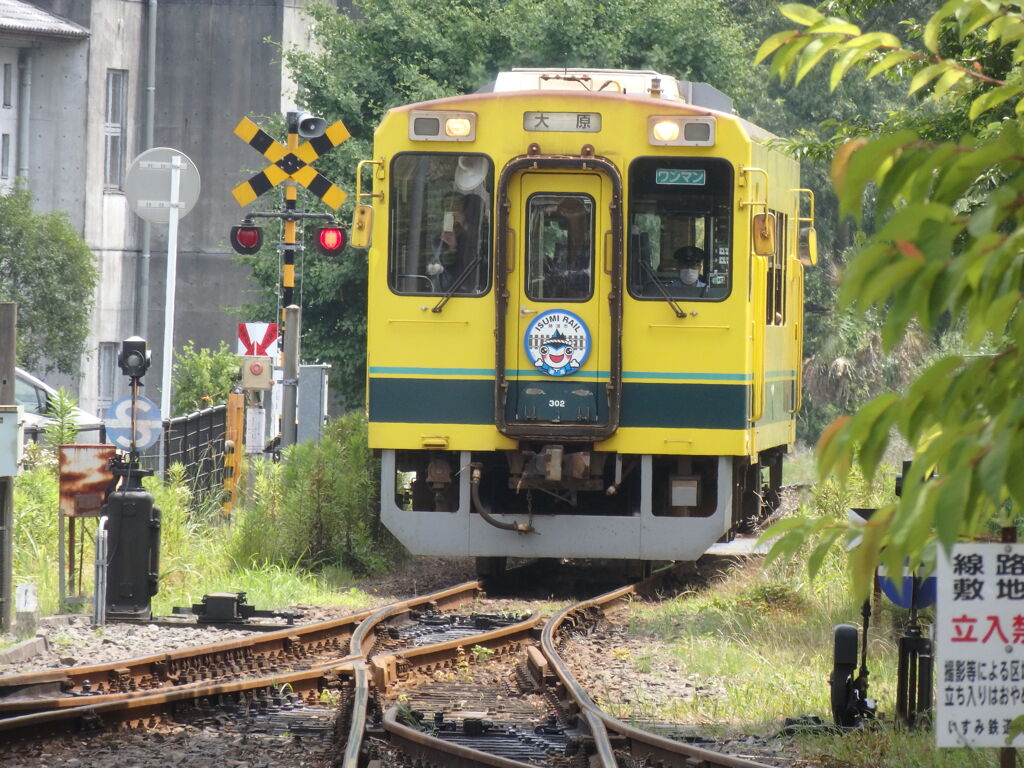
point(85, 478)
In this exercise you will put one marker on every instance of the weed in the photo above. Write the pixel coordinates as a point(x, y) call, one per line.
point(644, 664)
point(406, 714)
point(462, 663)
point(481, 654)
point(329, 697)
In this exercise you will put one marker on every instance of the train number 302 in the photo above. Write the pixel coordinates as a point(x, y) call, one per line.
point(556, 403)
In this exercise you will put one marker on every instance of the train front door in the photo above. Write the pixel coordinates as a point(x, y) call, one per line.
point(560, 315)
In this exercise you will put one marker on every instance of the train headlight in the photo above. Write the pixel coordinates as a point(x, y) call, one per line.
point(665, 130)
point(671, 130)
point(458, 127)
point(436, 125)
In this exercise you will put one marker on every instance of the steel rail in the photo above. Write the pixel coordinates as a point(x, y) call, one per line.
point(141, 704)
point(216, 662)
point(362, 668)
point(589, 713)
point(641, 744)
point(60, 688)
point(428, 751)
point(384, 671)
point(140, 708)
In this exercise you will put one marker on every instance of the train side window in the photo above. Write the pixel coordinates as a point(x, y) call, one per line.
point(560, 247)
point(441, 222)
point(775, 303)
point(680, 228)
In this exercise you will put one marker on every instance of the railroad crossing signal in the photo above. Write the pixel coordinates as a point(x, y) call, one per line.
point(288, 164)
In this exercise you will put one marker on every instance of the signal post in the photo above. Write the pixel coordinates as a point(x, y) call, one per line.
point(290, 165)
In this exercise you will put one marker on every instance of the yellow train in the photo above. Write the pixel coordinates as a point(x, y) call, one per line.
point(585, 317)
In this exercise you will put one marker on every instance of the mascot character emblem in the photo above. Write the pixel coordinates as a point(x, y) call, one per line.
point(557, 342)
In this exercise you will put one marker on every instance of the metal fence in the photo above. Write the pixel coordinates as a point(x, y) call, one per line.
point(196, 441)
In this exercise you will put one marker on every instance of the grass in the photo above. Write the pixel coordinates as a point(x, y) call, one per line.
point(886, 745)
point(757, 641)
point(760, 641)
point(195, 554)
point(758, 645)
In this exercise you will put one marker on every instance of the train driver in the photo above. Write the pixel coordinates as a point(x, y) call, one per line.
point(689, 261)
point(455, 246)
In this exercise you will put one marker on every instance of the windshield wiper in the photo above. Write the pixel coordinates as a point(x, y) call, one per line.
point(458, 281)
point(680, 312)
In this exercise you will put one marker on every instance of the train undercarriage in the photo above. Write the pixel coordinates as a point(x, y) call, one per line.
point(569, 501)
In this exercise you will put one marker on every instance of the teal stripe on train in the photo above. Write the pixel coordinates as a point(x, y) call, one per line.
point(657, 375)
point(644, 404)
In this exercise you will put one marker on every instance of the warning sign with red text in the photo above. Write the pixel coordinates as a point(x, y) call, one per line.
point(979, 636)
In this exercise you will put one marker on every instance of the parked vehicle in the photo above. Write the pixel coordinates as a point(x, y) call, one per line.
point(36, 397)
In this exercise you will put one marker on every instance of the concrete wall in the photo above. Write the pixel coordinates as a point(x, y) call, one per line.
point(58, 145)
point(213, 68)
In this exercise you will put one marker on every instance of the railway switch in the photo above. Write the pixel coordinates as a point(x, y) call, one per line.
point(230, 608)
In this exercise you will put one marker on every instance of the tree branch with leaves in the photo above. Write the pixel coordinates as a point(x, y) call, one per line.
point(949, 246)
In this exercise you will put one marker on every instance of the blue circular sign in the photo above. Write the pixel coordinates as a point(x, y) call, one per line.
point(557, 342)
point(903, 594)
point(149, 425)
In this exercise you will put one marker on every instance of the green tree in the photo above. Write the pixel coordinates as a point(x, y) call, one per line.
point(946, 189)
point(202, 377)
point(845, 364)
point(50, 272)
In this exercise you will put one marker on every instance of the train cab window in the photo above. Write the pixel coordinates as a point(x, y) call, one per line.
point(560, 247)
point(441, 223)
point(680, 229)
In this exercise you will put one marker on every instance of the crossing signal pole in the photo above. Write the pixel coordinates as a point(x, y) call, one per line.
point(290, 166)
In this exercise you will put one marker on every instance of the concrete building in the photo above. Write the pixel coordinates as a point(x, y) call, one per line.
point(73, 116)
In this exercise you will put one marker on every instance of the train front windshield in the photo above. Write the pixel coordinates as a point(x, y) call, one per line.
point(441, 221)
point(680, 228)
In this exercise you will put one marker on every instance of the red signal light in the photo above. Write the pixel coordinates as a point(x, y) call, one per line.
point(330, 241)
point(246, 238)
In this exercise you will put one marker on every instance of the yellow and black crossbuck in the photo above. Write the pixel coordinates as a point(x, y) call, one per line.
point(286, 164)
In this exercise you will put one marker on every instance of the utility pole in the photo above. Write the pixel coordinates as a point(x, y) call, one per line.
point(8, 343)
point(289, 396)
point(291, 193)
point(289, 329)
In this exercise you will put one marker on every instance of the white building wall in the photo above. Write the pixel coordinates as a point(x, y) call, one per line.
point(116, 34)
point(57, 124)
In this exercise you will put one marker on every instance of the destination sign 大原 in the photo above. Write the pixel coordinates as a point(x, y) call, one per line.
point(686, 177)
point(571, 122)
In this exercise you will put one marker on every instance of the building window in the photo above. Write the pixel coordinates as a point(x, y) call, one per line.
point(107, 373)
point(113, 127)
point(8, 84)
point(5, 156)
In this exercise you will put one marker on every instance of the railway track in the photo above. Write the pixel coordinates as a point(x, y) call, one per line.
point(410, 684)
